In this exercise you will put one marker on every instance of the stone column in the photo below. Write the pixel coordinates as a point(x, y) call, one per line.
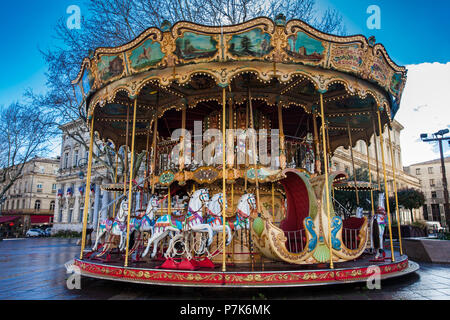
point(105, 201)
point(96, 205)
point(76, 205)
point(56, 213)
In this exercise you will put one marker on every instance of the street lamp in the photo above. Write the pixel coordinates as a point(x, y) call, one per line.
point(440, 136)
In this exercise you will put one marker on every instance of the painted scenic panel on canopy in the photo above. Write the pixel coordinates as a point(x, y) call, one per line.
point(87, 81)
point(147, 55)
point(253, 43)
point(110, 67)
point(396, 83)
point(304, 47)
point(195, 46)
point(348, 57)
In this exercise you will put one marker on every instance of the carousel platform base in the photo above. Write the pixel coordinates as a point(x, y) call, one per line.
point(259, 275)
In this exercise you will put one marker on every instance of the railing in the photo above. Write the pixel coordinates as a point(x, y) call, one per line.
point(346, 212)
point(350, 238)
point(296, 240)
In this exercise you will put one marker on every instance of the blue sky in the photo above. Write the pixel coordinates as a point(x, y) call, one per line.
point(413, 32)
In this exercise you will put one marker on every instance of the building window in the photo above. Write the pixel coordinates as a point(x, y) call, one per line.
point(60, 215)
point(52, 205)
point(23, 204)
point(54, 188)
point(418, 171)
point(69, 219)
point(433, 194)
point(75, 158)
point(66, 160)
point(42, 169)
point(425, 212)
point(430, 170)
point(431, 182)
point(37, 205)
point(436, 212)
point(39, 187)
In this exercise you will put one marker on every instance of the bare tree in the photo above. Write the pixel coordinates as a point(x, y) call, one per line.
point(115, 22)
point(24, 133)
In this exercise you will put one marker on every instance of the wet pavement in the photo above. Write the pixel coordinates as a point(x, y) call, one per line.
point(33, 269)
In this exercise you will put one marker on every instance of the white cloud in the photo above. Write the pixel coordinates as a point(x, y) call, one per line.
point(425, 108)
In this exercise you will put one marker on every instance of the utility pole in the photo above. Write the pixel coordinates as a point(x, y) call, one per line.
point(436, 135)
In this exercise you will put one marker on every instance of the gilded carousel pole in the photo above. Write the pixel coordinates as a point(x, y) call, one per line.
point(130, 191)
point(386, 188)
point(317, 169)
point(88, 189)
point(155, 135)
point(224, 179)
point(327, 187)
point(395, 191)
point(353, 160)
point(370, 177)
point(126, 153)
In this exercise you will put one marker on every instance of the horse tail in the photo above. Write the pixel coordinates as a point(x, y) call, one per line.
point(375, 234)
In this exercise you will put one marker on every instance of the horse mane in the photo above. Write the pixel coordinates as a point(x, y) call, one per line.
point(214, 205)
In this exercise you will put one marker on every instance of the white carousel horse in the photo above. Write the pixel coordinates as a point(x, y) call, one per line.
point(380, 217)
point(214, 216)
point(147, 221)
point(245, 206)
point(117, 227)
point(193, 221)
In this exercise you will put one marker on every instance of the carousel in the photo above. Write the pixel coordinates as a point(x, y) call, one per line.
point(238, 125)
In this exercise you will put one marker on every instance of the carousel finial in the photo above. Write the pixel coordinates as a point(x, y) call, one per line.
point(280, 20)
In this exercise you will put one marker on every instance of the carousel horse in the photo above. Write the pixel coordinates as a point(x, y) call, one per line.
point(214, 216)
point(380, 218)
point(146, 222)
point(117, 227)
point(193, 221)
point(245, 206)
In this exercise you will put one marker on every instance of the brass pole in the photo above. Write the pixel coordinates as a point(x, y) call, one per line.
point(281, 132)
point(327, 188)
point(130, 190)
point(370, 178)
point(317, 168)
point(353, 161)
point(370, 183)
point(182, 139)
point(88, 189)
point(115, 182)
point(376, 152)
point(169, 201)
point(386, 188)
point(395, 191)
point(254, 154)
point(155, 135)
point(224, 179)
point(126, 154)
point(273, 202)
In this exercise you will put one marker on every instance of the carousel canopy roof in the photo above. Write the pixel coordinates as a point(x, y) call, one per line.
point(284, 63)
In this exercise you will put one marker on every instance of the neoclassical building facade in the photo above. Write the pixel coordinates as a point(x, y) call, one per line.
point(71, 183)
point(341, 161)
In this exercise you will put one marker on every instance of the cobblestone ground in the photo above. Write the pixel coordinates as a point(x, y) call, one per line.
point(34, 269)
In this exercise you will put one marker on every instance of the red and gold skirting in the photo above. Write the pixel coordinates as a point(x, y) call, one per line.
point(267, 278)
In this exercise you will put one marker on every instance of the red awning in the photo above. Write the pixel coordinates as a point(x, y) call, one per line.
point(40, 219)
point(6, 219)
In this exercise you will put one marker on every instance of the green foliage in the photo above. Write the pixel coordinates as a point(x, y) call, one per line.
point(409, 199)
point(348, 198)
